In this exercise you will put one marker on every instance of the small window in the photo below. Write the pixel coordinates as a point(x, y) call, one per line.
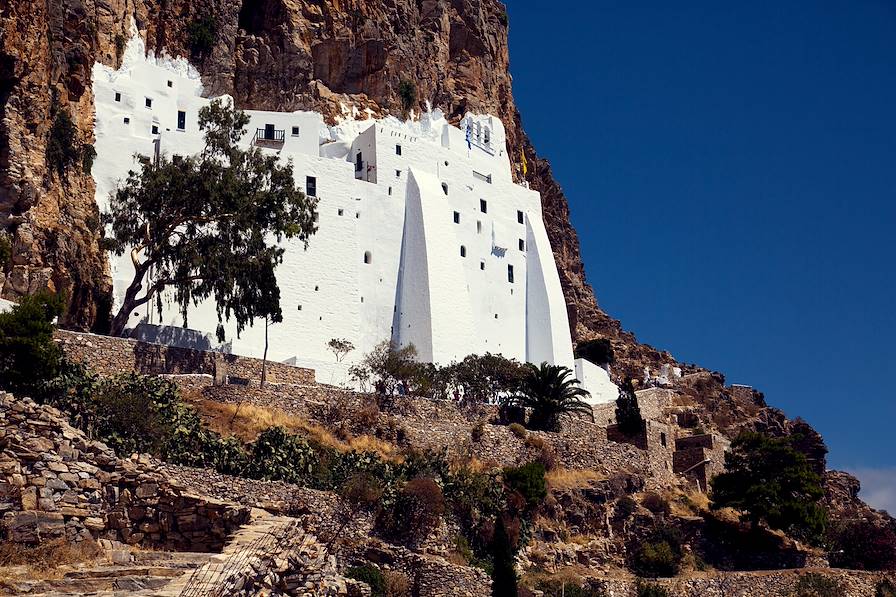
point(316, 288)
point(482, 265)
point(663, 439)
point(510, 274)
point(496, 316)
point(357, 215)
point(390, 191)
point(149, 102)
point(170, 84)
point(483, 206)
point(295, 131)
point(127, 120)
point(117, 96)
point(367, 258)
point(519, 216)
point(155, 129)
point(457, 217)
point(445, 187)
point(340, 211)
point(522, 245)
point(311, 186)
point(181, 120)
point(478, 226)
point(300, 307)
point(398, 150)
point(398, 174)
point(463, 251)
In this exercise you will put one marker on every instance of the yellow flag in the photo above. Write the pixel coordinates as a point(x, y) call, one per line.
point(523, 160)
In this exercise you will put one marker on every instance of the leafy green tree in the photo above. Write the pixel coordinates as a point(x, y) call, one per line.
point(203, 226)
point(340, 347)
point(483, 378)
point(550, 391)
point(201, 35)
point(598, 351)
point(771, 482)
point(529, 481)
point(392, 365)
point(504, 579)
point(28, 355)
point(628, 413)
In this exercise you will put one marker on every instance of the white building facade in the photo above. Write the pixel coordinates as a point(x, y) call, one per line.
point(423, 237)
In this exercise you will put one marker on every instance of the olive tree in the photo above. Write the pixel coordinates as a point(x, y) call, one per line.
point(209, 225)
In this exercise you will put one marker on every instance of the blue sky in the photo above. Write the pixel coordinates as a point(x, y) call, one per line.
point(731, 171)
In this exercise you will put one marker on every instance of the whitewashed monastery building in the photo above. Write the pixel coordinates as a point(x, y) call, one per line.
point(423, 236)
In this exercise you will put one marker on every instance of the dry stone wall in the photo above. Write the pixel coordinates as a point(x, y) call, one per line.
point(55, 482)
point(778, 583)
point(108, 355)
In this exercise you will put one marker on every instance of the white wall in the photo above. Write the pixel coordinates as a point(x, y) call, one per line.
point(596, 380)
point(416, 288)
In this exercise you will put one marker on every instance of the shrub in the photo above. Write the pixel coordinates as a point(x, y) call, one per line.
point(397, 584)
point(5, 251)
point(63, 149)
point(370, 575)
point(28, 356)
point(407, 92)
point(885, 588)
point(625, 506)
point(517, 429)
point(651, 590)
point(278, 455)
point(598, 351)
point(201, 35)
point(120, 43)
point(529, 481)
point(655, 503)
point(416, 512)
point(863, 545)
point(659, 555)
point(88, 155)
point(816, 585)
point(568, 585)
point(551, 391)
point(481, 378)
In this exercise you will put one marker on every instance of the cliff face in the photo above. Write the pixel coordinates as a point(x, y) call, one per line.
point(268, 54)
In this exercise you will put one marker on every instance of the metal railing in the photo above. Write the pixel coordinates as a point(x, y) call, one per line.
point(273, 135)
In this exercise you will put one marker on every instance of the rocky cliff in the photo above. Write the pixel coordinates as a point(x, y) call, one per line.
point(269, 54)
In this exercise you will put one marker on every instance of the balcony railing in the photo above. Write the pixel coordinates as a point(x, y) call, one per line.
point(269, 137)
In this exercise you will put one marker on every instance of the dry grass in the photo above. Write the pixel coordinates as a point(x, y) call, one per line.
point(247, 421)
point(565, 478)
point(46, 559)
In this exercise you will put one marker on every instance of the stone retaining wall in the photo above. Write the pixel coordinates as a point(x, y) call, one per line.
point(55, 482)
point(108, 355)
point(776, 583)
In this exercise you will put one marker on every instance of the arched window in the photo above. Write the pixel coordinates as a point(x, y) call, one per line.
point(367, 257)
point(463, 251)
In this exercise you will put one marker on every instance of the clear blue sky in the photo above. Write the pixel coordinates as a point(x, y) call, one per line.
point(731, 170)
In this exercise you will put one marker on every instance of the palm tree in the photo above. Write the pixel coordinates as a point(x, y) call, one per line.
point(550, 391)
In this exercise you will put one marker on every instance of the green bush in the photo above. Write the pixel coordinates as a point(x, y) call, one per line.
point(28, 356)
point(528, 480)
point(415, 513)
point(561, 588)
point(517, 429)
point(5, 251)
point(655, 503)
point(370, 575)
point(276, 455)
point(863, 545)
point(407, 91)
point(659, 555)
point(88, 155)
point(816, 585)
point(628, 413)
point(504, 578)
point(201, 35)
point(63, 149)
point(625, 506)
point(651, 590)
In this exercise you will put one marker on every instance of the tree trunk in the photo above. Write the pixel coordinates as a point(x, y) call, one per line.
point(129, 303)
point(264, 361)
